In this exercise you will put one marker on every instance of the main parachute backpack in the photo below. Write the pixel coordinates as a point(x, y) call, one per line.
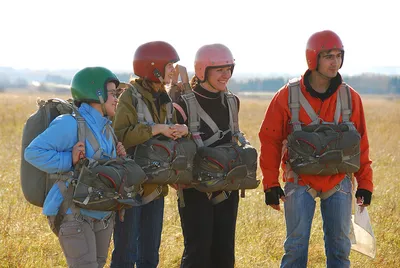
point(36, 183)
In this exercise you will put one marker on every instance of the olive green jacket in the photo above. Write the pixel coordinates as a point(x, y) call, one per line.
point(127, 128)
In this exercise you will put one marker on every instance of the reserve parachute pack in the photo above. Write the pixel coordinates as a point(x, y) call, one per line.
point(91, 180)
point(226, 167)
point(109, 185)
point(165, 161)
point(322, 148)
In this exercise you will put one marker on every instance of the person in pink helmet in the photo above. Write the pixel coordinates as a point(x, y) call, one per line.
point(209, 228)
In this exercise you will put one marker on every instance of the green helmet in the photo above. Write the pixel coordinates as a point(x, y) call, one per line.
point(90, 84)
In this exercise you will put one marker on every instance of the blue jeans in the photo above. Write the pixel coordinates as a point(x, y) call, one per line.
point(137, 239)
point(336, 217)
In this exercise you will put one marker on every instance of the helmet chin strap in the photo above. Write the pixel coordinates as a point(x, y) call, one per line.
point(157, 74)
point(102, 103)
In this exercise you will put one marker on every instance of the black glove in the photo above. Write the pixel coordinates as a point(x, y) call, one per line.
point(365, 195)
point(273, 194)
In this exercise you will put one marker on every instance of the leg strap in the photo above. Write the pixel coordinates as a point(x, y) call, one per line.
point(221, 197)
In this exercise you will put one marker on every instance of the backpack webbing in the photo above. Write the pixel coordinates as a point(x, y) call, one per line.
point(196, 112)
point(143, 113)
point(297, 100)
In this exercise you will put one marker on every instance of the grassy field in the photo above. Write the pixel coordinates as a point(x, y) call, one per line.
point(26, 240)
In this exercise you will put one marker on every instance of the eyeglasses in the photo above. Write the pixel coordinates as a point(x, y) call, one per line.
point(115, 93)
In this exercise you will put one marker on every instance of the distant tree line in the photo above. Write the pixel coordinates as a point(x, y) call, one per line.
point(364, 83)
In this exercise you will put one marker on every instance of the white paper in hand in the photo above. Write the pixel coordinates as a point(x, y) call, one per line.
point(361, 235)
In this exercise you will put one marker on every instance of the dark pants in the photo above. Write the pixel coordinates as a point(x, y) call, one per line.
point(137, 239)
point(208, 230)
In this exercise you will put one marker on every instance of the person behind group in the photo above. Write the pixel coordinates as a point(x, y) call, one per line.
point(320, 92)
point(84, 235)
point(137, 238)
point(208, 229)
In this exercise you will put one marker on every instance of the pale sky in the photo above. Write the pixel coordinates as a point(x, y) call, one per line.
point(264, 36)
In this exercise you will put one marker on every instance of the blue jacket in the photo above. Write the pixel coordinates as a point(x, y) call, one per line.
point(51, 152)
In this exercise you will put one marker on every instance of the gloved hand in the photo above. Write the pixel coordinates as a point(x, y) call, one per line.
point(272, 196)
point(363, 197)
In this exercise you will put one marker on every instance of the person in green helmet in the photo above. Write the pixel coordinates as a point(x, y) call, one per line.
point(84, 235)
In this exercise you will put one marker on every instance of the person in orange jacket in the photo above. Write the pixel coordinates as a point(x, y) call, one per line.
point(318, 100)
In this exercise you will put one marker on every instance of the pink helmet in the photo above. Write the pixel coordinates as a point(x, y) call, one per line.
point(214, 55)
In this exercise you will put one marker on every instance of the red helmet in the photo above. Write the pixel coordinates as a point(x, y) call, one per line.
point(214, 55)
point(151, 58)
point(322, 41)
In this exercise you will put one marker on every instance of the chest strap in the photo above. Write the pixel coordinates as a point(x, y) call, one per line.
point(143, 112)
point(196, 112)
point(297, 100)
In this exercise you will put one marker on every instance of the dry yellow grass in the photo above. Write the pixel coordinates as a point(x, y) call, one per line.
point(26, 241)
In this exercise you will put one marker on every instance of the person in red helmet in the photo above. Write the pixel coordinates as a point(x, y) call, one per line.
point(208, 223)
point(143, 113)
point(314, 128)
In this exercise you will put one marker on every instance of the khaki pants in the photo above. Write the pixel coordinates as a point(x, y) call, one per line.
point(85, 240)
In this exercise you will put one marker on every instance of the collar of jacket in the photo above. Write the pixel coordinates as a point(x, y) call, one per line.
point(93, 117)
point(159, 118)
point(333, 86)
point(150, 96)
point(205, 93)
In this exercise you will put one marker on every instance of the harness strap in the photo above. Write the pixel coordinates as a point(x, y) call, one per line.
point(110, 130)
point(143, 112)
point(196, 112)
point(67, 194)
point(147, 199)
point(220, 197)
point(170, 109)
point(297, 99)
point(218, 134)
point(307, 107)
point(193, 117)
point(323, 195)
point(233, 112)
point(81, 127)
point(345, 97)
point(85, 133)
point(181, 197)
point(180, 110)
point(294, 103)
point(60, 176)
point(234, 119)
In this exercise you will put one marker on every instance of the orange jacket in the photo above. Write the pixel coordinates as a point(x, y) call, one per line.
point(275, 129)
